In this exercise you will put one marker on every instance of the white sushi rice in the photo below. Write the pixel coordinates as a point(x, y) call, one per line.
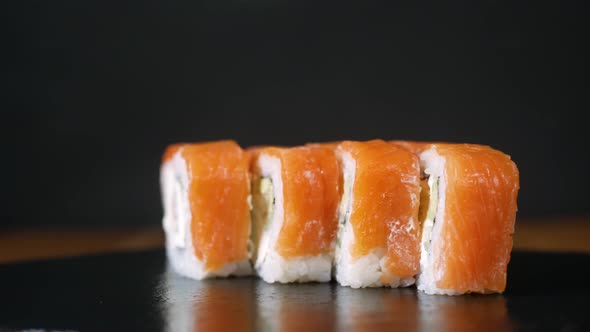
point(174, 184)
point(269, 264)
point(368, 270)
point(433, 165)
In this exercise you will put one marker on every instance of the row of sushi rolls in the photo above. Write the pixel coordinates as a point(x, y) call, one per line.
point(366, 214)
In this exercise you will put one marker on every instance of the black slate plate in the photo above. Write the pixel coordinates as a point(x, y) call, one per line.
point(137, 292)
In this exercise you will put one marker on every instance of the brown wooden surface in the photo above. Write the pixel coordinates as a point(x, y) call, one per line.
point(551, 234)
point(31, 244)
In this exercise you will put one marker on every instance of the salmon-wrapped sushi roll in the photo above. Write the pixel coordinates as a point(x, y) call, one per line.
point(468, 212)
point(206, 193)
point(378, 237)
point(294, 216)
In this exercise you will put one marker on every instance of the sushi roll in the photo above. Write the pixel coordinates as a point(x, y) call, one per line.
point(206, 194)
point(468, 211)
point(378, 236)
point(294, 215)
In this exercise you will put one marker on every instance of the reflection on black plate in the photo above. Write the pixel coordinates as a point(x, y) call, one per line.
point(137, 292)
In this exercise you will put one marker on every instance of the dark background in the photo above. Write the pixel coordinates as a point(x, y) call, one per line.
point(97, 89)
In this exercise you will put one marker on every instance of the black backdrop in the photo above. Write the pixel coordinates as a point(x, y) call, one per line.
point(98, 88)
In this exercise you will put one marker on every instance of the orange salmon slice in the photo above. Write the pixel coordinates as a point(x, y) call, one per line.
point(309, 178)
point(218, 194)
point(471, 240)
point(385, 203)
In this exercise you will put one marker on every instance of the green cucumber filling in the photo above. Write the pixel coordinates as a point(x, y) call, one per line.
point(263, 204)
point(428, 207)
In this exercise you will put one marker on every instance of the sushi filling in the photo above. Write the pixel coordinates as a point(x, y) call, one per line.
point(263, 205)
point(345, 207)
point(428, 207)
